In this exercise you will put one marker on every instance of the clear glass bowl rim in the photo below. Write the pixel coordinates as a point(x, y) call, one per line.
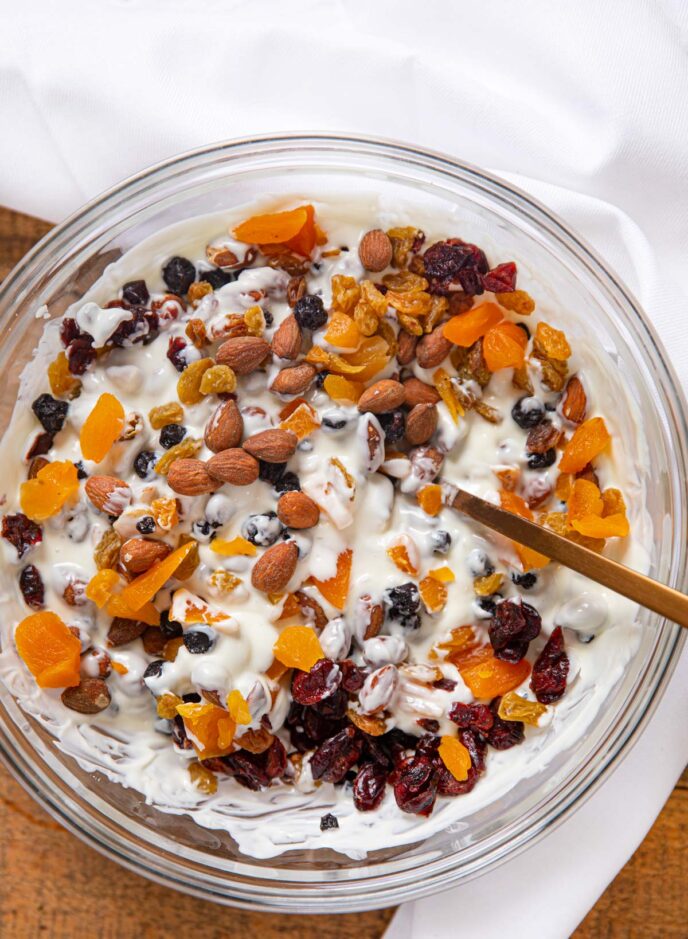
point(322, 893)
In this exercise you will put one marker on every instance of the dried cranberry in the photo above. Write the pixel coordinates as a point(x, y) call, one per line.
point(179, 273)
point(31, 586)
point(275, 758)
point(453, 264)
point(476, 746)
point(334, 706)
point(428, 743)
point(69, 331)
point(40, 446)
point(375, 750)
point(415, 784)
point(448, 785)
point(80, 354)
point(472, 716)
point(444, 684)
point(504, 734)
point(551, 669)
point(369, 787)
point(394, 425)
point(256, 770)
point(397, 742)
point(352, 676)
point(171, 434)
point(427, 723)
point(175, 352)
point(501, 279)
point(50, 412)
point(136, 293)
point(328, 821)
point(20, 531)
point(513, 627)
point(310, 312)
point(335, 757)
point(320, 682)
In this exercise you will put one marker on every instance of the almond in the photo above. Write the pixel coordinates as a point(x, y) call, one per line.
point(375, 250)
point(368, 618)
point(426, 462)
point(243, 353)
point(234, 466)
point(384, 395)
point(575, 401)
point(421, 423)
point(371, 439)
point(297, 510)
point(272, 572)
point(138, 554)
point(225, 428)
point(286, 343)
point(108, 494)
point(433, 349)
point(190, 478)
point(221, 256)
point(406, 347)
point(419, 392)
point(90, 696)
point(293, 380)
point(271, 446)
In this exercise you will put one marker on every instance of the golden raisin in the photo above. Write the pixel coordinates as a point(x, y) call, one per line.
point(171, 413)
point(195, 330)
point(517, 301)
point(218, 379)
point(165, 513)
point(166, 706)
point(189, 383)
point(198, 290)
point(186, 449)
point(224, 582)
point(106, 553)
point(62, 382)
point(255, 321)
point(203, 778)
point(513, 707)
point(552, 342)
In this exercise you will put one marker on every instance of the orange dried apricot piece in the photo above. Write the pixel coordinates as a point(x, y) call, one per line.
point(165, 513)
point(238, 707)
point(508, 477)
point(53, 485)
point(429, 498)
point(101, 428)
point(370, 358)
point(100, 586)
point(487, 585)
point(467, 328)
point(230, 547)
point(209, 728)
point(529, 558)
point(399, 555)
point(298, 647)
point(488, 677)
point(309, 235)
point(276, 670)
point(147, 613)
point(585, 499)
point(460, 645)
point(144, 587)
point(446, 391)
point(588, 441)
point(613, 503)
point(275, 228)
point(455, 757)
point(316, 355)
point(342, 331)
point(336, 588)
point(302, 422)
point(49, 650)
point(594, 526)
point(445, 575)
point(563, 486)
point(119, 668)
point(552, 342)
point(345, 293)
point(343, 389)
point(504, 346)
point(62, 382)
point(433, 593)
point(513, 707)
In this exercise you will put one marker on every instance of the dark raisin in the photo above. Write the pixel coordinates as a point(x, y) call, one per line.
point(504, 734)
point(40, 446)
point(268, 317)
point(501, 279)
point(334, 420)
point(476, 717)
point(525, 581)
point(146, 525)
point(179, 274)
point(542, 460)
point(202, 530)
point(136, 293)
point(319, 683)
point(175, 352)
point(217, 278)
point(50, 412)
point(31, 586)
point(528, 411)
point(369, 787)
point(352, 676)
point(328, 821)
point(170, 628)
point(513, 627)
point(263, 530)
point(551, 669)
point(197, 642)
point(441, 541)
point(69, 331)
point(123, 631)
point(256, 770)
point(144, 463)
point(488, 605)
point(319, 379)
point(153, 640)
point(80, 354)
point(154, 669)
point(81, 470)
point(172, 434)
point(403, 599)
point(542, 437)
point(394, 425)
point(21, 532)
point(479, 563)
point(310, 312)
point(429, 724)
point(288, 482)
point(179, 734)
point(270, 472)
point(334, 758)
point(454, 263)
point(444, 684)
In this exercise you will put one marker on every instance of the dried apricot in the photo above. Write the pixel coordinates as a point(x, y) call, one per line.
point(399, 554)
point(504, 346)
point(455, 757)
point(143, 588)
point(552, 342)
point(100, 587)
point(585, 499)
point(189, 383)
point(101, 428)
point(563, 486)
point(192, 559)
point(513, 707)
point(613, 503)
point(461, 644)
point(342, 332)
point(62, 382)
point(147, 613)
point(513, 503)
point(488, 677)
point(302, 421)
point(336, 588)
point(594, 526)
point(370, 358)
point(588, 441)
point(445, 575)
point(343, 389)
point(238, 707)
point(487, 585)
point(49, 650)
point(433, 593)
point(165, 513)
point(275, 228)
point(230, 548)
point(209, 728)
point(466, 328)
point(53, 485)
point(516, 301)
point(429, 498)
point(298, 647)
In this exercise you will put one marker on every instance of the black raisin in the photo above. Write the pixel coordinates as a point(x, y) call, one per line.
point(263, 530)
point(335, 419)
point(270, 472)
point(146, 525)
point(136, 293)
point(154, 669)
point(197, 642)
point(268, 317)
point(525, 581)
point(202, 530)
point(310, 312)
point(179, 274)
point(172, 434)
point(288, 482)
point(170, 628)
point(394, 425)
point(441, 541)
point(144, 463)
point(81, 470)
point(542, 460)
point(50, 412)
point(528, 411)
point(175, 352)
point(328, 821)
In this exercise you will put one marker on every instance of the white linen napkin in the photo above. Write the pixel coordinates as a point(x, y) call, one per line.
point(586, 102)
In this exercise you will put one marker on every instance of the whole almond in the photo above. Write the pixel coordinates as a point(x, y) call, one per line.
point(575, 401)
point(138, 554)
point(122, 631)
point(293, 380)
point(108, 494)
point(243, 353)
point(286, 343)
point(375, 250)
point(190, 478)
point(90, 696)
point(272, 446)
point(433, 349)
point(421, 423)
point(297, 510)
point(225, 428)
point(419, 392)
point(234, 466)
point(406, 347)
point(272, 572)
point(384, 395)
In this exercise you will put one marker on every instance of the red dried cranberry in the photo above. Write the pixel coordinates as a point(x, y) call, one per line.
point(333, 706)
point(504, 734)
point(335, 757)
point(447, 785)
point(472, 716)
point(40, 446)
point(69, 331)
point(369, 787)
point(415, 784)
point(375, 751)
point(322, 680)
point(476, 746)
point(243, 766)
point(175, 352)
point(501, 279)
point(31, 586)
point(80, 354)
point(352, 676)
point(513, 627)
point(275, 759)
point(551, 669)
point(20, 531)
point(427, 723)
point(444, 684)
point(453, 264)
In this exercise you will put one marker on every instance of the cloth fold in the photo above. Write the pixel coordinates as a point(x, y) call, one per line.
point(583, 105)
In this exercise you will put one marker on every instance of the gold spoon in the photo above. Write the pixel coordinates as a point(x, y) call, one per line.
point(637, 587)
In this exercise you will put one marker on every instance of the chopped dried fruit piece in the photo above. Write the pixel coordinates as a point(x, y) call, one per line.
point(295, 229)
point(466, 328)
point(516, 301)
point(513, 707)
point(238, 707)
point(189, 383)
point(448, 393)
point(488, 677)
point(343, 389)
point(371, 357)
point(404, 241)
point(101, 428)
point(302, 421)
point(185, 450)
point(336, 588)
point(209, 728)
point(594, 526)
point(224, 582)
point(44, 496)
point(433, 594)
point(49, 650)
point(144, 587)
point(445, 575)
point(552, 342)
point(509, 478)
point(166, 706)
point(202, 778)
point(455, 757)
point(232, 547)
point(551, 669)
point(100, 587)
point(563, 486)
point(254, 318)
point(342, 331)
point(21, 532)
point(486, 586)
point(399, 554)
point(62, 382)
point(218, 379)
point(106, 553)
point(588, 441)
point(298, 647)
point(430, 499)
point(165, 513)
point(119, 608)
point(513, 503)
point(504, 346)
point(334, 363)
point(585, 499)
point(460, 646)
point(192, 559)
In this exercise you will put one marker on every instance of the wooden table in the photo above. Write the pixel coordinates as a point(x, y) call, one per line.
point(51, 885)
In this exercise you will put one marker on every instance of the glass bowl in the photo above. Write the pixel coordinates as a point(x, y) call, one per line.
point(172, 849)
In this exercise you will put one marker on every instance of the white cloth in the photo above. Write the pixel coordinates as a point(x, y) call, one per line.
point(585, 101)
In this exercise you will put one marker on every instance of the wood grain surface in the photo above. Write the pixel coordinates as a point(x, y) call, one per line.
point(53, 886)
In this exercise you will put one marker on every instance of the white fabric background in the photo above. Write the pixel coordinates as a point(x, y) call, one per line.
point(584, 104)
